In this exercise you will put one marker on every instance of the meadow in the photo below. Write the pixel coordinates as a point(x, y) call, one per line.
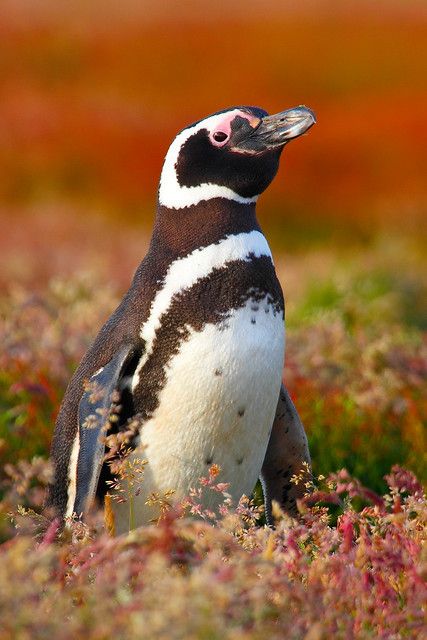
point(90, 97)
point(352, 566)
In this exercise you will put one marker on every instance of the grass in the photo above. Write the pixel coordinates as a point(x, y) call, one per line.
point(226, 577)
point(352, 566)
point(356, 360)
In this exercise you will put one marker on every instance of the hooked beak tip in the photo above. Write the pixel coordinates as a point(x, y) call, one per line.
point(274, 132)
point(294, 122)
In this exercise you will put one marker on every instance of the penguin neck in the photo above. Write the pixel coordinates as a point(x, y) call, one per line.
point(178, 232)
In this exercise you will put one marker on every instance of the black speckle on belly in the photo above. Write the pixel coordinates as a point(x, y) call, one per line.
point(212, 299)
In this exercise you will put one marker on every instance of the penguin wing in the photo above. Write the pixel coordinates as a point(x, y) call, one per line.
point(286, 454)
point(93, 419)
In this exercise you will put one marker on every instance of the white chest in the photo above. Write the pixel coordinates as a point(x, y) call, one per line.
point(216, 406)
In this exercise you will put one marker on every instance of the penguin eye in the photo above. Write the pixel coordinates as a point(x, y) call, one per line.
point(220, 136)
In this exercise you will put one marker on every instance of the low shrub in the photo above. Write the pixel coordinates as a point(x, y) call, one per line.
point(225, 576)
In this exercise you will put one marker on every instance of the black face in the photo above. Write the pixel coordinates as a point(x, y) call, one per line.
point(240, 151)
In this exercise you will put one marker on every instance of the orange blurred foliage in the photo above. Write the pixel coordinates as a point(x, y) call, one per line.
point(92, 93)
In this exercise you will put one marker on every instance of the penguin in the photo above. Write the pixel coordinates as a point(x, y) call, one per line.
point(195, 349)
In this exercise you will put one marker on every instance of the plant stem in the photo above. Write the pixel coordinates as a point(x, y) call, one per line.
point(131, 509)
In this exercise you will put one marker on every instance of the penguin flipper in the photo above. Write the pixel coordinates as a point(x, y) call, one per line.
point(93, 419)
point(286, 452)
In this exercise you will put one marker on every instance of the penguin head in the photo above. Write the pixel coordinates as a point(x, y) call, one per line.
point(232, 154)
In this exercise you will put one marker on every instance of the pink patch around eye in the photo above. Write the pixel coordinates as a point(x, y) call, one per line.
point(220, 135)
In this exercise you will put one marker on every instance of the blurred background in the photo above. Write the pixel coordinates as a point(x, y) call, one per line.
point(91, 94)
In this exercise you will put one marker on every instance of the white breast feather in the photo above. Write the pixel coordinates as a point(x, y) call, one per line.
point(218, 372)
point(185, 272)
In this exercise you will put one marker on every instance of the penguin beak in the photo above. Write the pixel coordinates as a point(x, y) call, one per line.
point(275, 131)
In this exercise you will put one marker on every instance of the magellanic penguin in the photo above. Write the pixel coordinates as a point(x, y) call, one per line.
point(196, 347)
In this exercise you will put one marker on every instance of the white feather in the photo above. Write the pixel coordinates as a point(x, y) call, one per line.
point(185, 272)
point(72, 476)
point(217, 372)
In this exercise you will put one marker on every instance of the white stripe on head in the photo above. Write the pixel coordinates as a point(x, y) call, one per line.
point(175, 196)
point(185, 272)
point(72, 476)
